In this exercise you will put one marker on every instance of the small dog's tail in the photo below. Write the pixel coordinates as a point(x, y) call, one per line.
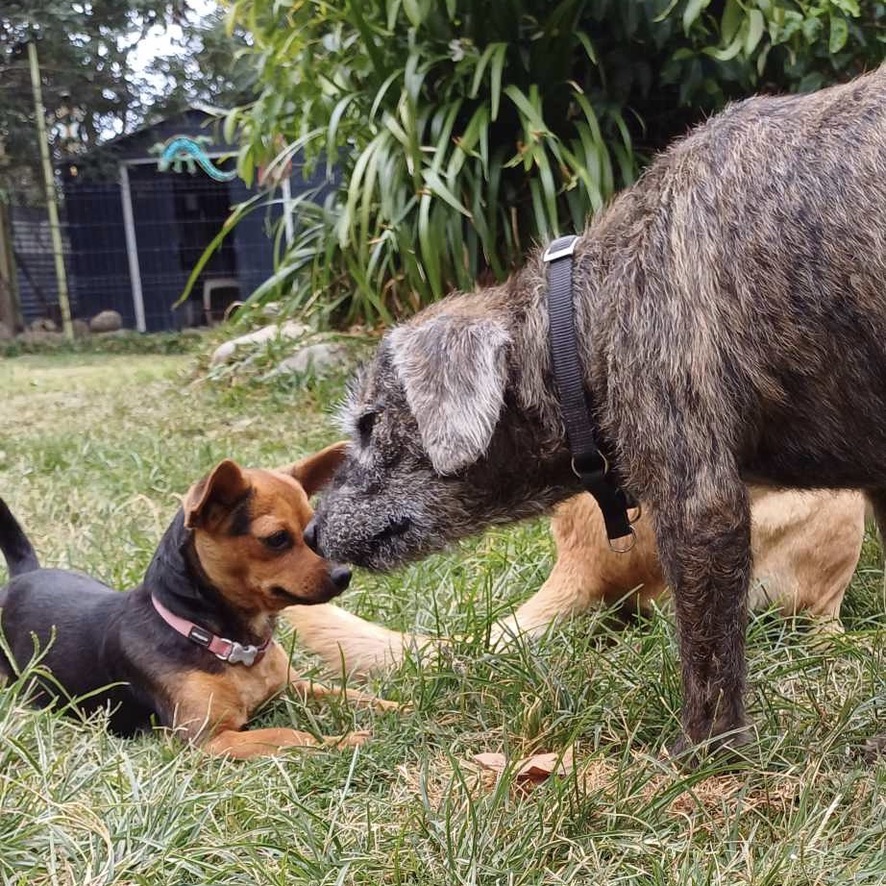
point(18, 551)
point(351, 645)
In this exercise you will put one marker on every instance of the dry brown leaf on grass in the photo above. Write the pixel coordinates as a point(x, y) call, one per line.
point(436, 779)
point(533, 769)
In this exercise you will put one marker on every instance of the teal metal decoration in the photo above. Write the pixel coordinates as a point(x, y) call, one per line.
point(182, 150)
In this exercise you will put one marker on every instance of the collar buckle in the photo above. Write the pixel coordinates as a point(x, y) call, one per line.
point(200, 636)
point(562, 247)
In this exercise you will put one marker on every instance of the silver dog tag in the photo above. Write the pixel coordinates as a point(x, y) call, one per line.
point(241, 654)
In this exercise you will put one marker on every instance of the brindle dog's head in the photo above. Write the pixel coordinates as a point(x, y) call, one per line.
point(248, 528)
point(438, 448)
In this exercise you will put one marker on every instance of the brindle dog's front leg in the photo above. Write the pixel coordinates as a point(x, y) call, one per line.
point(703, 531)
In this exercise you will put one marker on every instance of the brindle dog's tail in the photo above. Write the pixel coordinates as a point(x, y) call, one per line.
point(351, 645)
point(18, 551)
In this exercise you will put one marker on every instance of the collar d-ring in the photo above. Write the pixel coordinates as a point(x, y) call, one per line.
point(625, 543)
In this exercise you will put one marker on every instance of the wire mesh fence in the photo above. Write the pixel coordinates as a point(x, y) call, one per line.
point(37, 283)
point(139, 266)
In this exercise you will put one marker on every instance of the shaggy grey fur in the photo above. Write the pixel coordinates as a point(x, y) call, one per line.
point(732, 317)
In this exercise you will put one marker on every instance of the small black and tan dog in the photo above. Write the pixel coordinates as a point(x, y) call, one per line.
point(192, 645)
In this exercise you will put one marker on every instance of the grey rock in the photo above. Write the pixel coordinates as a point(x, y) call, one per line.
point(39, 336)
point(290, 330)
point(106, 321)
point(318, 358)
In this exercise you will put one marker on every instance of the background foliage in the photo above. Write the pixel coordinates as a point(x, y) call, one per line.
point(466, 130)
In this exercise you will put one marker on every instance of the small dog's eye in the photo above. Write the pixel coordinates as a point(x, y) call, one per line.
point(365, 424)
point(279, 541)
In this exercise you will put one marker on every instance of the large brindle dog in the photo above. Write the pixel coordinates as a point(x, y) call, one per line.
point(731, 309)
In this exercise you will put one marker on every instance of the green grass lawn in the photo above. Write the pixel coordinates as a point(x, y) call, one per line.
point(95, 450)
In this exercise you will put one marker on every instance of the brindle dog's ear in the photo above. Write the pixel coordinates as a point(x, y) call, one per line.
point(224, 486)
point(315, 471)
point(454, 370)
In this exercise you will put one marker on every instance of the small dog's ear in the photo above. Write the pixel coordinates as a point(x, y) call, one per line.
point(224, 486)
point(454, 371)
point(315, 471)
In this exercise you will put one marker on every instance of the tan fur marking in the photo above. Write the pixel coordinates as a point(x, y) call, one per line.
point(265, 526)
point(267, 742)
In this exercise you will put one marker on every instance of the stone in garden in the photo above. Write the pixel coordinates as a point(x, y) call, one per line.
point(39, 336)
point(44, 324)
point(81, 328)
point(291, 329)
point(318, 358)
point(106, 321)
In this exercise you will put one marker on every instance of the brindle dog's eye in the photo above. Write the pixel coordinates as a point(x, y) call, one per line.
point(279, 541)
point(365, 424)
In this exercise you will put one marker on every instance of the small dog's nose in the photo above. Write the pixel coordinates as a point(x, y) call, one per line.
point(341, 577)
point(310, 535)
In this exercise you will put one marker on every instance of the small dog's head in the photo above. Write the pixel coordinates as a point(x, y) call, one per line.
point(248, 528)
point(438, 449)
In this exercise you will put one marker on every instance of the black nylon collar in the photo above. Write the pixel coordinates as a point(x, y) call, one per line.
point(588, 462)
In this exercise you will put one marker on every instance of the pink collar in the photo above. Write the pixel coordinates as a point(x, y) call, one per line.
point(227, 650)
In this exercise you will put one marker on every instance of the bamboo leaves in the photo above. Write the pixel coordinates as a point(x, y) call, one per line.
point(455, 134)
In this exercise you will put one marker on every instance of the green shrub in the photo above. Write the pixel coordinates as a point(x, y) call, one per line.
point(125, 342)
point(466, 131)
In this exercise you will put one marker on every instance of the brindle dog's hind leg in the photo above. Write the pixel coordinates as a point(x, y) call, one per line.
point(703, 530)
point(876, 747)
point(877, 498)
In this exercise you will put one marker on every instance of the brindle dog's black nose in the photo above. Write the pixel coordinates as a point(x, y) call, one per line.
point(341, 577)
point(310, 535)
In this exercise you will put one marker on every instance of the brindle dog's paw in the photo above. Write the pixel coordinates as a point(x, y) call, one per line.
point(728, 749)
point(874, 749)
